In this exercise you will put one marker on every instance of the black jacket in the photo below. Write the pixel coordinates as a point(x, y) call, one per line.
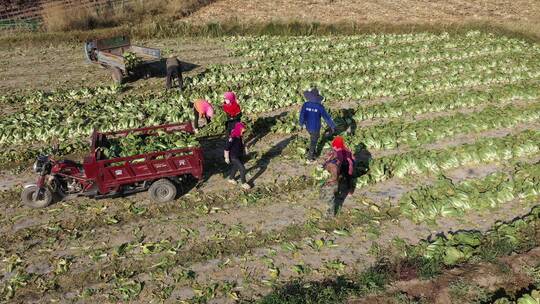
point(235, 146)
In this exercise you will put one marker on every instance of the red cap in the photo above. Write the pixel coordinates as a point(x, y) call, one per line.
point(232, 109)
point(338, 143)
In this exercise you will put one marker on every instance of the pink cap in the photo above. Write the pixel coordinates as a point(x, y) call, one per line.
point(230, 96)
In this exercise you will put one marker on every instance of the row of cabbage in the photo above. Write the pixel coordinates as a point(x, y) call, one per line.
point(423, 104)
point(503, 107)
point(409, 64)
point(446, 101)
point(396, 134)
point(446, 198)
point(273, 92)
point(464, 246)
point(267, 46)
point(378, 137)
point(245, 44)
point(512, 147)
point(357, 58)
point(485, 150)
point(532, 297)
point(43, 120)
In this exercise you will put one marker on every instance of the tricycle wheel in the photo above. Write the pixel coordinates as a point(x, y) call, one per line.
point(29, 195)
point(117, 75)
point(162, 191)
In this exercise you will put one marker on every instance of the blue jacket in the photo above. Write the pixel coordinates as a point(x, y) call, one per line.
point(311, 114)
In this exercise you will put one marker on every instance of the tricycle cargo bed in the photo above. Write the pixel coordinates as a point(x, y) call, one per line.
point(110, 174)
point(116, 46)
point(115, 57)
point(148, 167)
point(164, 159)
point(109, 53)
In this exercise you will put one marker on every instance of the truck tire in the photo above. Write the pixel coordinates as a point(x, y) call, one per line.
point(29, 194)
point(117, 75)
point(162, 191)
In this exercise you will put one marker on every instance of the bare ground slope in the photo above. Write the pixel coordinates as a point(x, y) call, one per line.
point(524, 12)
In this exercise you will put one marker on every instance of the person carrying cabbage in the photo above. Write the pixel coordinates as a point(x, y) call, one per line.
point(233, 111)
point(202, 109)
point(310, 117)
point(339, 162)
point(344, 159)
point(234, 154)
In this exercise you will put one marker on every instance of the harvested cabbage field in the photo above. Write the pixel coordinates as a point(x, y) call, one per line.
point(445, 129)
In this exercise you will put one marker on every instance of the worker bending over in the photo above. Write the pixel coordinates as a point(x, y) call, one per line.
point(202, 109)
point(344, 159)
point(174, 72)
point(340, 164)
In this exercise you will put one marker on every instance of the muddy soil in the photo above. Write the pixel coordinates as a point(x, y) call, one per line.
point(507, 274)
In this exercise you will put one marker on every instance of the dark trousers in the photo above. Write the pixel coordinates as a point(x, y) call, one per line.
point(196, 119)
point(313, 139)
point(172, 74)
point(346, 178)
point(237, 165)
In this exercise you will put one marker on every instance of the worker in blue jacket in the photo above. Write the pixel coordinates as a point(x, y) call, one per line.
point(310, 117)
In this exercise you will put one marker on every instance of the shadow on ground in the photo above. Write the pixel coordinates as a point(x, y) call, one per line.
point(264, 160)
point(332, 290)
point(157, 69)
point(214, 162)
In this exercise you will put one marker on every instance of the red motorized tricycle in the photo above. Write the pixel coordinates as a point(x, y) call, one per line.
point(160, 172)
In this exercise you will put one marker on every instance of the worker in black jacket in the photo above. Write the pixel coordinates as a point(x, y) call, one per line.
point(234, 154)
point(173, 72)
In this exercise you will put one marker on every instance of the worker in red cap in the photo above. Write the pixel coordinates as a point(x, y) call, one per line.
point(202, 109)
point(344, 159)
point(232, 109)
point(340, 164)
